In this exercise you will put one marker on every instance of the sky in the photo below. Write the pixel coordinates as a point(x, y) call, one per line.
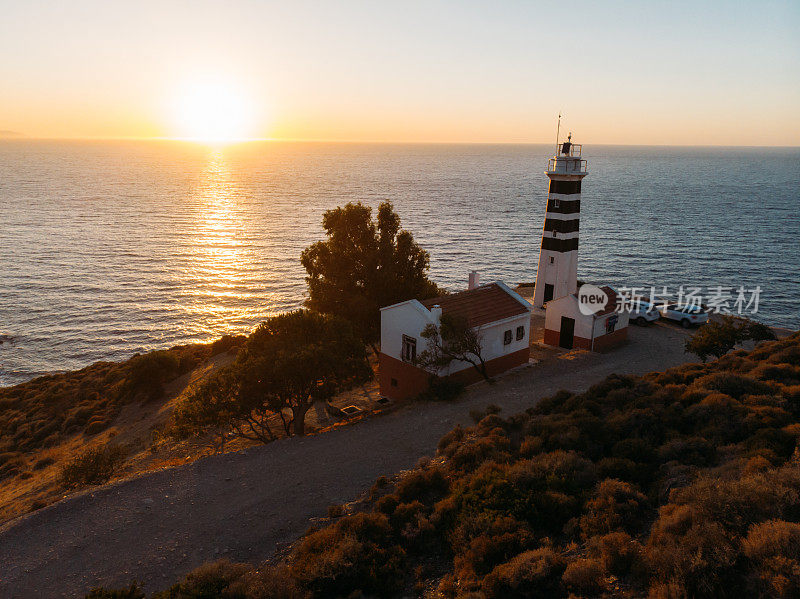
point(675, 73)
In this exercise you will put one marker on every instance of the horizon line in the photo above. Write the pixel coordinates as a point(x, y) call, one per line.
point(232, 142)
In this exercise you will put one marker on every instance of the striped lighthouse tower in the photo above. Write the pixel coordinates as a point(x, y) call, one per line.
point(557, 273)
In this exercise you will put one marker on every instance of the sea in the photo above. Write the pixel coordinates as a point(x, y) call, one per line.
point(109, 248)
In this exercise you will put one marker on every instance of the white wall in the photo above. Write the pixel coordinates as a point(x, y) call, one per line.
point(567, 306)
point(562, 274)
point(411, 317)
point(600, 323)
point(407, 318)
point(492, 340)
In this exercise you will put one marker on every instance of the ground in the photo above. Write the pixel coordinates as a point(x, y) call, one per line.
point(245, 505)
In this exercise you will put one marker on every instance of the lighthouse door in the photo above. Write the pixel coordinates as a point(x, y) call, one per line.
point(548, 292)
point(567, 335)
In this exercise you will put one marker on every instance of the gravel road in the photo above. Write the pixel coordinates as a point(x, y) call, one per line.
point(157, 527)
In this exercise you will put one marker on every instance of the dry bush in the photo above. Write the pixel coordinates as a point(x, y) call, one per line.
point(673, 485)
point(533, 574)
point(356, 553)
point(615, 505)
point(94, 466)
point(584, 576)
point(131, 592)
point(773, 549)
point(45, 411)
point(618, 552)
point(482, 543)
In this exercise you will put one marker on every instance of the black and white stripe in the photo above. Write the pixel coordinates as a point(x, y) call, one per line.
point(565, 187)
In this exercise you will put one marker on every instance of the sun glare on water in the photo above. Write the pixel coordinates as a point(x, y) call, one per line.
point(214, 111)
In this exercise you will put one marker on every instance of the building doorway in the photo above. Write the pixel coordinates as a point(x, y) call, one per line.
point(548, 292)
point(567, 335)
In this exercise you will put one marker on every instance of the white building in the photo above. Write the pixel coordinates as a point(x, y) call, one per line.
point(565, 325)
point(500, 315)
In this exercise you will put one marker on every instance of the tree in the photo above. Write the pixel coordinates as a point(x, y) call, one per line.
point(718, 338)
point(453, 340)
point(289, 362)
point(364, 265)
point(218, 406)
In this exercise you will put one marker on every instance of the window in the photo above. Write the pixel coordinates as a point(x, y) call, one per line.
point(520, 333)
point(552, 260)
point(409, 352)
point(394, 382)
point(556, 203)
point(507, 337)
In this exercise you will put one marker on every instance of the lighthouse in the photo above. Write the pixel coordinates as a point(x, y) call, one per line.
point(557, 273)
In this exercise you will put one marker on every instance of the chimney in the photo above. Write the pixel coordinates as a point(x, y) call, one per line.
point(473, 280)
point(436, 312)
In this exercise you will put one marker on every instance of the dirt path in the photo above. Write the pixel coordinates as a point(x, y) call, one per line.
point(243, 505)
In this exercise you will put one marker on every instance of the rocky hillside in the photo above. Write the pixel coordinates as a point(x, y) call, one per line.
point(684, 483)
point(47, 422)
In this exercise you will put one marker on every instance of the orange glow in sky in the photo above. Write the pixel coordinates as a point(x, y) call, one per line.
point(622, 72)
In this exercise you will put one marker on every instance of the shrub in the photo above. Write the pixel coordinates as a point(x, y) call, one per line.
point(478, 415)
point(773, 550)
point(718, 338)
point(427, 484)
point(482, 543)
point(356, 553)
point(227, 343)
point(266, 583)
point(617, 551)
point(688, 450)
point(132, 592)
point(615, 505)
point(451, 439)
point(533, 574)
point(734, 385)
point(699, 463)
point(584, 576)
point(701, 557)
point(209, 581)
point(94, 466)
point(148, 372)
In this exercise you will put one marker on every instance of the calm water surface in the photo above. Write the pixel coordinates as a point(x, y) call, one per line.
point(112, 248)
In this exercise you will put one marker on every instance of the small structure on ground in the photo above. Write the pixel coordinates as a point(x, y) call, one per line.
point(501, 317)
point(570, 321)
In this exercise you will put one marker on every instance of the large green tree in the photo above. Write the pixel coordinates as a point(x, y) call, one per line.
point(363, 265)
point(289, 362)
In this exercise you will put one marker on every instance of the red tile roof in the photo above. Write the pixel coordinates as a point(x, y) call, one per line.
point(480, 306)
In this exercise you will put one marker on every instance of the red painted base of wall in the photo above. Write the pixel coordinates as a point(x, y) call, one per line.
point(550, 337)
point(553, 338)
point(400, 380)
point(601, 343)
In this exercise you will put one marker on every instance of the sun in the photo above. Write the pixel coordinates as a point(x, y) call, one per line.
point(212, 110)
